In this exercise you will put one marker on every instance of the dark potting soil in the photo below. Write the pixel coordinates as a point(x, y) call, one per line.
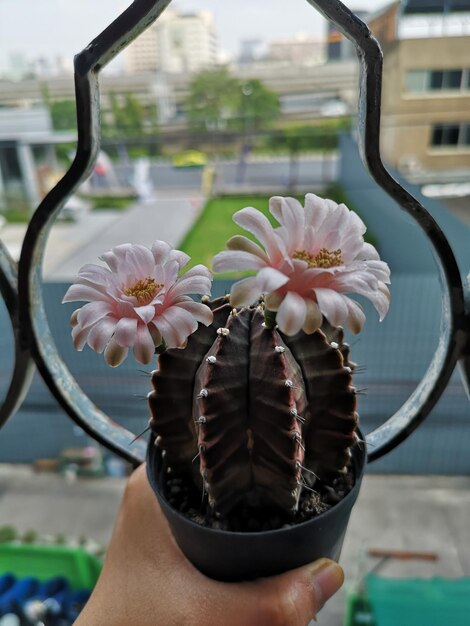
point(182, 495)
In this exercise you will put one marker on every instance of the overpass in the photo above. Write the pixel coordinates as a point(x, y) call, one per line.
point(291, 83)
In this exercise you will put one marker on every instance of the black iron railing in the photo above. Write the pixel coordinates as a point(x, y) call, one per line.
point(21, 285)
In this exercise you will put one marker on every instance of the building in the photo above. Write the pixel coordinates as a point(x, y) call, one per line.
point(300, 50)
point(176, 43)
point(338, 47)
point(426, 87)
point(27, 156)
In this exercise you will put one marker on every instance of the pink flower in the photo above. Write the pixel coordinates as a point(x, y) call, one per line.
point(307, 265)
point(138, 302)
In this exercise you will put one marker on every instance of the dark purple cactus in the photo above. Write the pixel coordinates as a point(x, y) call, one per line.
point(254, 415)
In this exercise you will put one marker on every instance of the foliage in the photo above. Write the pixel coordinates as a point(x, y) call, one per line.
point(257, 106)
point(7, 534)
point(212, 99)
point(297, 139)
point(218, 101)
point(128, 118)
point(63, 114)
point(65, 152)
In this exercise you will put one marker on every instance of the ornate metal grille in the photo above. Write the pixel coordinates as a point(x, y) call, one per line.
point(21, 285)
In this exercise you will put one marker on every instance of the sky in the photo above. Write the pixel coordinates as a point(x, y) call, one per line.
point(51, 28)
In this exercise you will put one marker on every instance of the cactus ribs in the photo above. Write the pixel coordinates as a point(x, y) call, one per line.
point(256, 427)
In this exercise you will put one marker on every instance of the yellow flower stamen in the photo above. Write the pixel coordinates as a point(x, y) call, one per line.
point(144, 290)
point(325, 258)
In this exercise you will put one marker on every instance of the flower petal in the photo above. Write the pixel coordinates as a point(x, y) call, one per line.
point(269, 279)
point(258, 224)
point(291, 314)
point(368, 252)
point(175, 325)
point(140, 261)
point(356, 318)
point(80, 293)
point(316, 209)
point(200, 312)
point(115, 256)
point(333, 305)
point(79, 337)
point(194, 284)
point(144, 347)
point(239, 242)
point(146, 313)
point(313, 319)
point(101, 333)
point(115, 354)
point(291, 215)
point(244, 292)
point(273, 300)
point(235, 260)
point(91, 313)
point(126, 330)
point(161, 251)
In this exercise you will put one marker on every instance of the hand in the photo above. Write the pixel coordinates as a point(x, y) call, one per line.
point(147, 581)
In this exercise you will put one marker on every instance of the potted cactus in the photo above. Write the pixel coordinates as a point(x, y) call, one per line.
point(255, 453)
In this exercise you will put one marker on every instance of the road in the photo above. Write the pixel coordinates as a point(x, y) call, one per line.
point(232, 175)
point(167, 217)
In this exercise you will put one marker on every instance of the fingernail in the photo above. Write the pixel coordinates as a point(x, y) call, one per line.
point(327, 578)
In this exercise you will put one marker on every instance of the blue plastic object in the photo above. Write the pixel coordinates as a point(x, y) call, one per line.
point(15, 597)
point(6, 582)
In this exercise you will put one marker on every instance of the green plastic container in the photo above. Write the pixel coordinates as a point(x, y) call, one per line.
point(80, 568)
point(410, 602)
point(418, 602)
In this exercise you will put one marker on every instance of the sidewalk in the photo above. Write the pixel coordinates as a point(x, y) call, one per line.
point(419, 513)
point(167, 216)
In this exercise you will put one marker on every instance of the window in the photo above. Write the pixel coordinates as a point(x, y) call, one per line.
point(413, 7)
point(460, 6)
point(451, 135)
point(437, 80)
point(416, 80)
point(424, 6)
point(445, 79)
point(452, 79)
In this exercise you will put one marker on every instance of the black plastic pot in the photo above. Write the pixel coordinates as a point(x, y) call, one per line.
point(236, 556)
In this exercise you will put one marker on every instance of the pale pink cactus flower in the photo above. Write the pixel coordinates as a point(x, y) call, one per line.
point(138, 301)
point(306, 266)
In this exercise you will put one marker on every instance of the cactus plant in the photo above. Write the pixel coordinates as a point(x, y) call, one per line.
point(264, 414)
point(259, 406)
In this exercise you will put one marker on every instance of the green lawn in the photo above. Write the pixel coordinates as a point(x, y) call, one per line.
point(215, 226)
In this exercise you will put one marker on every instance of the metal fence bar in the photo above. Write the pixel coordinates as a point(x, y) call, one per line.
point(26, 306)
point(35, 331)
point(454, 325)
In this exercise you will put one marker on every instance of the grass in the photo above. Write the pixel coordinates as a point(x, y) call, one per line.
point(17, 216)
point(215, 226)
point(113, 203)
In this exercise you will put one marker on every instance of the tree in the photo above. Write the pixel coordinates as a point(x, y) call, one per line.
point(63, 114)
point(213, 98)
point(297, 139)
point(128, 118)
point(257, 105)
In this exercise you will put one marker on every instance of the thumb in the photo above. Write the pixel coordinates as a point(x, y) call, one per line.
point(294, 598)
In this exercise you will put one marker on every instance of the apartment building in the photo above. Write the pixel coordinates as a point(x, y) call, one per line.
point(176, 43)
point(426, 87)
